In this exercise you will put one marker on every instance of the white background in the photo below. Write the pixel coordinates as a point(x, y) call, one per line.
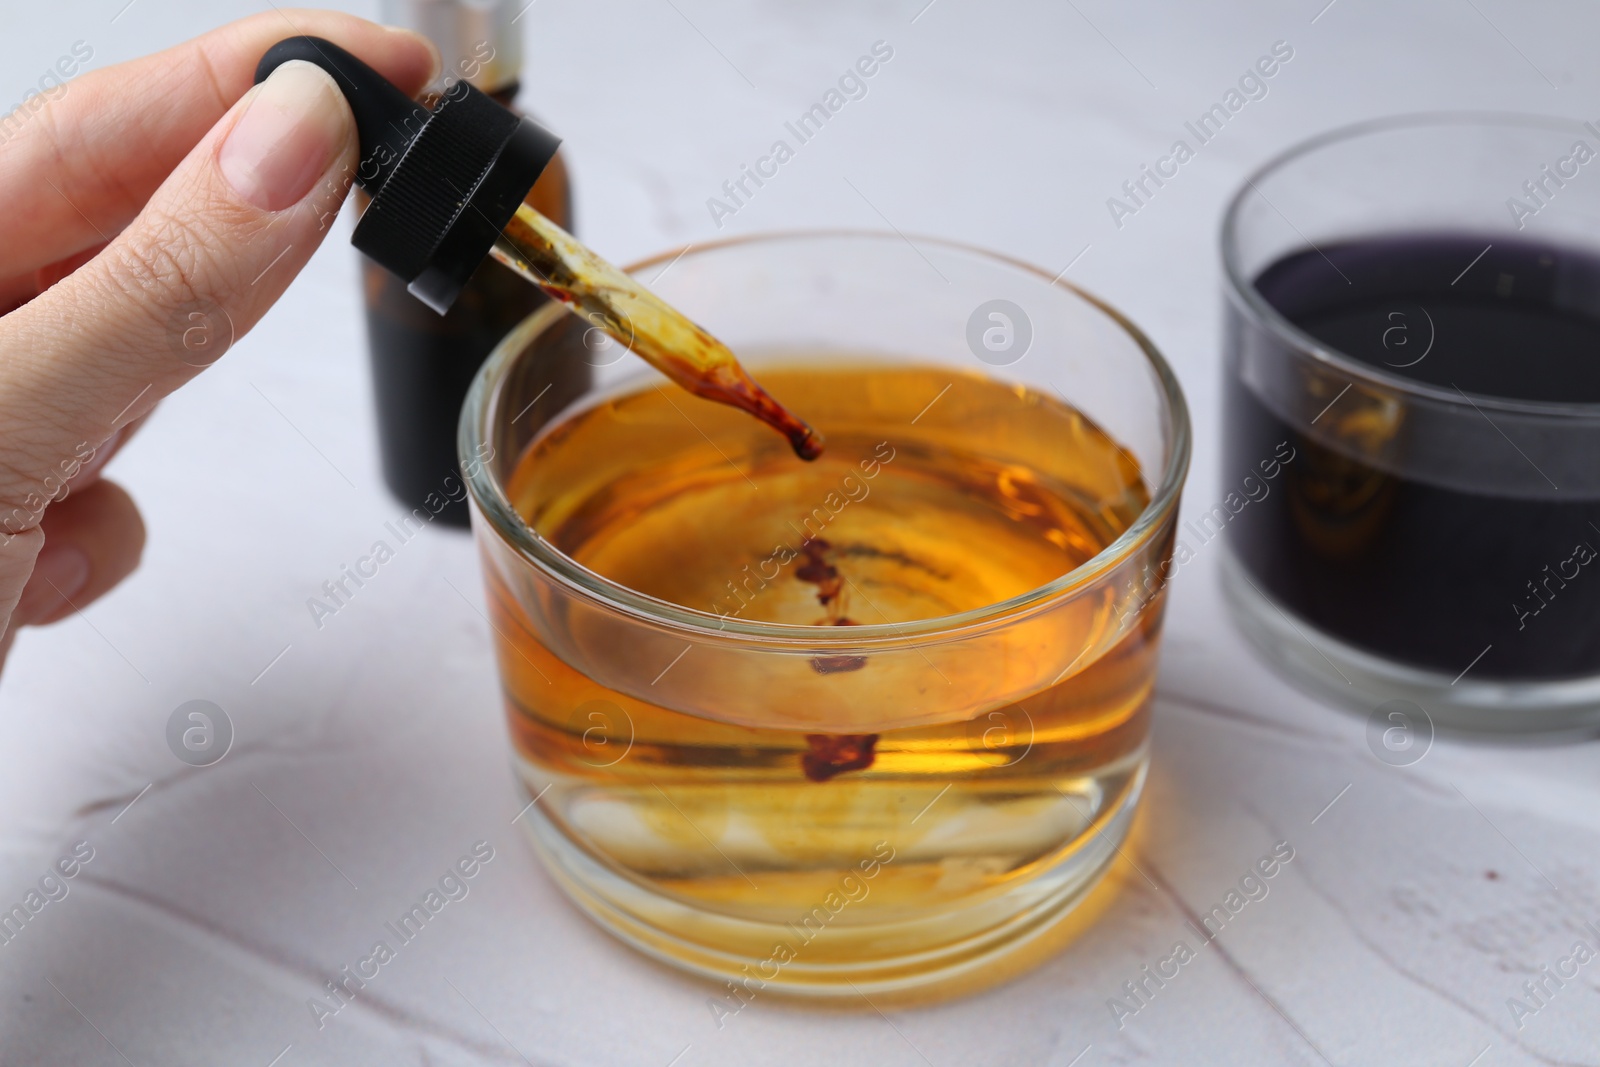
point(1415, 905)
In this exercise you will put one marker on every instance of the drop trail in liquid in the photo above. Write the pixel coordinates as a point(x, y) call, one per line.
point(642, 322)
point(828, 755)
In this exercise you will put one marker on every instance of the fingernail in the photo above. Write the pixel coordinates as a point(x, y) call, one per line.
point(59, 574)
point(287, 137)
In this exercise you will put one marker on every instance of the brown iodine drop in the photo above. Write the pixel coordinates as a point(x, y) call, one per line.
point(817, 568)
point(832, 754)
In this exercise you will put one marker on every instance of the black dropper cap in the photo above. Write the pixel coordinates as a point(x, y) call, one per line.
point(444, 183)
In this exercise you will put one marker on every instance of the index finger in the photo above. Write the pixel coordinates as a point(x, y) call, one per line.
point(77, 170)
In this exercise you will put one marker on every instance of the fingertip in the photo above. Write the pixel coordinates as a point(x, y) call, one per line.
point(93, 539)
point(412, 77)
point(405, 57)
point(60, 575)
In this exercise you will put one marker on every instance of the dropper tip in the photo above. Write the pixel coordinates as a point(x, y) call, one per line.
point(808, 443)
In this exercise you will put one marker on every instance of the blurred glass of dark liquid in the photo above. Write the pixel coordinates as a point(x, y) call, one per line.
point(1414, 316)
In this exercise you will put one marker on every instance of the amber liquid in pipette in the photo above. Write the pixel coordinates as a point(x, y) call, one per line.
point(642, 322)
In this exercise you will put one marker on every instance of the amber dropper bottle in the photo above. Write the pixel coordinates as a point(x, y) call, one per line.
point(448, 185)
point(423, 362)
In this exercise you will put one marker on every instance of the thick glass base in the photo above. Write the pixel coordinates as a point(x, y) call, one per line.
point(1351, 678)
point(899, 953)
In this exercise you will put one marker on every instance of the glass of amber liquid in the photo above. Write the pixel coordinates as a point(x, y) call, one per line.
point(874, 723)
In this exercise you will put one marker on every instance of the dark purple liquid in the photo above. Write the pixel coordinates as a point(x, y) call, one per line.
point(1408, 569)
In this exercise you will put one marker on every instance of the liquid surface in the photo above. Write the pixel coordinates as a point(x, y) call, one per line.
point(910, 528)
point(939, 492)
point(1517, 320)
point(1418, 572)
point(645, 324)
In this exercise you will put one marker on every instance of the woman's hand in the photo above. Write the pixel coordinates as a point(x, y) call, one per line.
point(152, 212)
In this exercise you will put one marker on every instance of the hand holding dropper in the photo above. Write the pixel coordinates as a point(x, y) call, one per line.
point(447, 190)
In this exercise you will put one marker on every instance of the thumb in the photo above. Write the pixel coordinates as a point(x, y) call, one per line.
point(216, 244)
point(214, 247)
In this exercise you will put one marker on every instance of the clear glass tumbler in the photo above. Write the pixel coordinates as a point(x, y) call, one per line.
point(913, 800)
point(1406, 305)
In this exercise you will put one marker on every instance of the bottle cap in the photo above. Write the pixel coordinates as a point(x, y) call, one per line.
point(444, 182)
point(477, 38)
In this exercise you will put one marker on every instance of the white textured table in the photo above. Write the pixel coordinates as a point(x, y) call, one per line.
point(371, 754)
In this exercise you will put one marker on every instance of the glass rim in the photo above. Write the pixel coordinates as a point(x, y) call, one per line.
point(493, 505)
point(1243, 289)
